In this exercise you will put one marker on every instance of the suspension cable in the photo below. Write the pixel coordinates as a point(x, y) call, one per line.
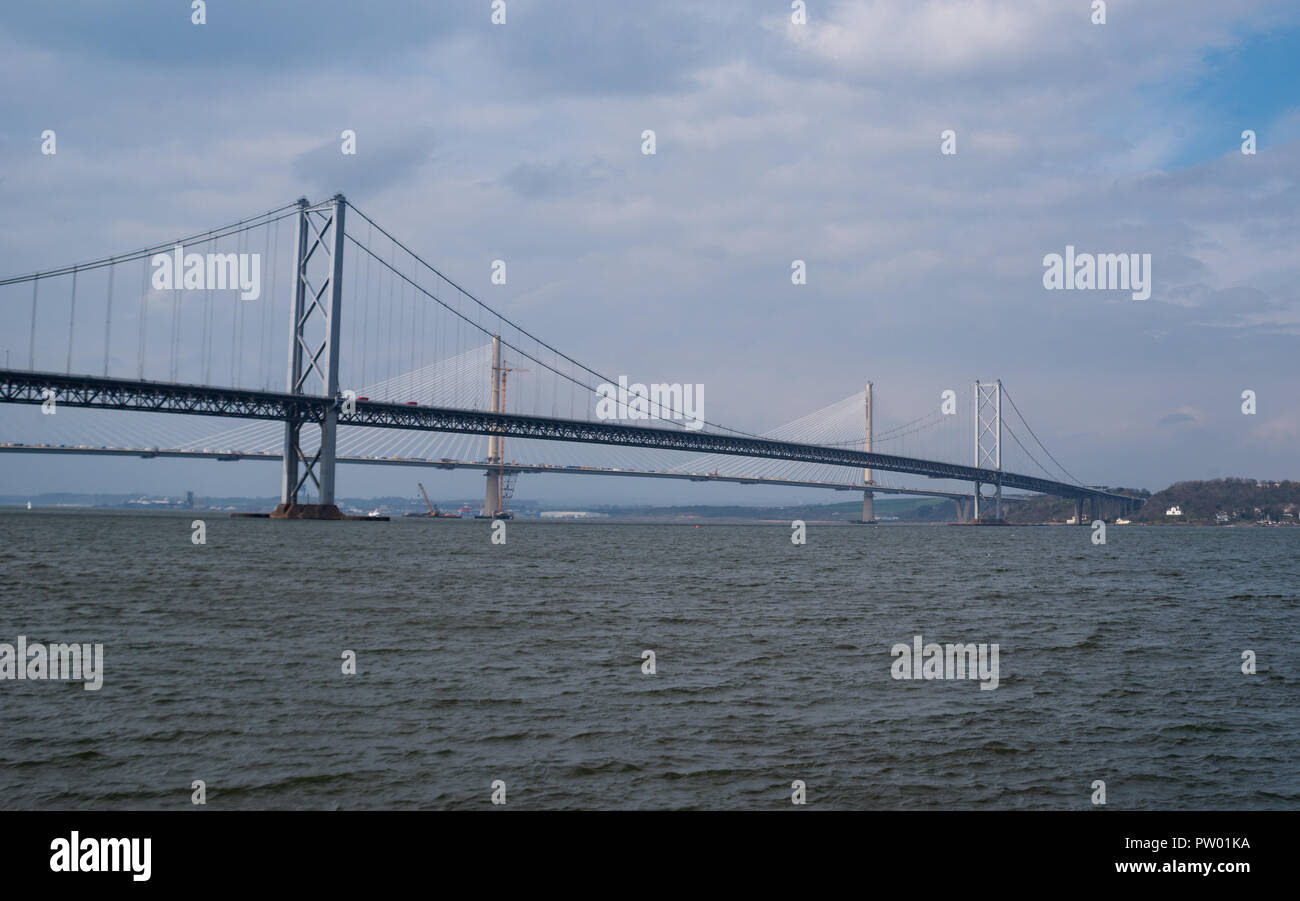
point(150, 251)
point(1035, 437)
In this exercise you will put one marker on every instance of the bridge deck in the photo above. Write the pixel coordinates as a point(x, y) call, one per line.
point(25, 387)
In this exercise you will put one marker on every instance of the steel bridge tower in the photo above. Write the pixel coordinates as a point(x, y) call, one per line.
point(316, 311)
point(988, 441)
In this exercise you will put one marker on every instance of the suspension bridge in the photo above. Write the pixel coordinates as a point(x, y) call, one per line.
point(390, 362)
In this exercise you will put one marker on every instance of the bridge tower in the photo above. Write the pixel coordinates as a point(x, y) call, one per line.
point(988, 440)
point(500, 481)
point(316, 310)
point(868, 496)
point(492, 500)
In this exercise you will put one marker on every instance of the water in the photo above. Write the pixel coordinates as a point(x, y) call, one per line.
point(522, 662)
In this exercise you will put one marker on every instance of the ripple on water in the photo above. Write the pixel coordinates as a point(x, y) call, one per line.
point(772, 664)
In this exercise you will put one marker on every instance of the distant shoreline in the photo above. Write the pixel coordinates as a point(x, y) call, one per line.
point(664, 520)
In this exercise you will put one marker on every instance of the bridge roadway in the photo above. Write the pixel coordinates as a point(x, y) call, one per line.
point(27, 387)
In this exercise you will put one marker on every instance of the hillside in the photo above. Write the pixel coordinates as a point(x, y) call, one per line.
point(1241, 500)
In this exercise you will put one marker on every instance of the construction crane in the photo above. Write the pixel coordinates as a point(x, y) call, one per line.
point(506, 480)
point(434, 512)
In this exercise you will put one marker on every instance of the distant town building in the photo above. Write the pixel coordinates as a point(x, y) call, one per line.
point(570, 514)
point(1174, 511)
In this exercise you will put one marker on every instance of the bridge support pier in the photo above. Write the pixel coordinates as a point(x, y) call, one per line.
point(314, 351)
point(868, 497)
point(492, 500)
point(1078, 511)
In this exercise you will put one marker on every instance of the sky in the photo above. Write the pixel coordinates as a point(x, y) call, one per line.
point(775, 141)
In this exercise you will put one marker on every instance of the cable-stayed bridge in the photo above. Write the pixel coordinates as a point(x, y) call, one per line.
point(390, 362)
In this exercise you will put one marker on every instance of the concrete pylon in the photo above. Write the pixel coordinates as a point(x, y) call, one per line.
point(492, 494)
point(868, 497)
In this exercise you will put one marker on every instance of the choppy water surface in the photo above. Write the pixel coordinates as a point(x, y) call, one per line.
point(522, 663)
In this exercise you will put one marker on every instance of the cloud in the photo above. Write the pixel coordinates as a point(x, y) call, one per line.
point(775, 143)
point(534, 180)
point(240, 35)
point(930, 36)
point(383, 159)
